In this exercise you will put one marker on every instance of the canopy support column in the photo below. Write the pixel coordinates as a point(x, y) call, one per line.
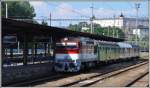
point(25, 50)
point(45, 49)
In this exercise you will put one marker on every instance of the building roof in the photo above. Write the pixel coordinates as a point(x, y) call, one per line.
point(121, 15)
point(124, 45)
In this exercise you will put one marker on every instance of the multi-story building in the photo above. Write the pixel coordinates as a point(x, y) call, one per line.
point(126, 24)
point(141, 32)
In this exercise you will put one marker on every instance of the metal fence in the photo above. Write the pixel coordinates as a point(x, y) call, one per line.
point(18, 60)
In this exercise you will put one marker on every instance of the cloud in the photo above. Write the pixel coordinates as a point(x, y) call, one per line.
point(36, 3)
point(67, 11)
point(41, 8)
point(107, 13)
point(63, 10)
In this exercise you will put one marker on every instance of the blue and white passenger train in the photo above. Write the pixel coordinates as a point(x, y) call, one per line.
point(73, 54)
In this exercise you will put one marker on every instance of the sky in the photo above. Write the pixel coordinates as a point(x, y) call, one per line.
point(82, 9)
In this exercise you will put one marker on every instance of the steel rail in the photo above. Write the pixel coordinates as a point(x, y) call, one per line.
point(104, 76)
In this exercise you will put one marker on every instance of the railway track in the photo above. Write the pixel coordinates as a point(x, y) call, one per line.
point(70, 79)
point(106, 79)
point(141, 81)
point(83, 76)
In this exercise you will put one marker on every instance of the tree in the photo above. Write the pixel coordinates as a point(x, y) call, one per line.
point(74, 27)
point(18, 9)
point(107, 31)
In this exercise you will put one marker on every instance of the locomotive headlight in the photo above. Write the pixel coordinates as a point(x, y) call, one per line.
point(65, 39)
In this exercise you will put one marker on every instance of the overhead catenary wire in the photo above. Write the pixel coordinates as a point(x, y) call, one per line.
point(47, 19)
point(72, 10)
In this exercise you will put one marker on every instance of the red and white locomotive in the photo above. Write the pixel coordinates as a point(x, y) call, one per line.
point(73, 54)
point(70, 52)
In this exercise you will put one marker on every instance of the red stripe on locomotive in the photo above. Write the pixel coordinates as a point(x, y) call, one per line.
point(65, 51)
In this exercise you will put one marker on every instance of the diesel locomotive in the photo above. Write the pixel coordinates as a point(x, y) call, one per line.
point(73, 54)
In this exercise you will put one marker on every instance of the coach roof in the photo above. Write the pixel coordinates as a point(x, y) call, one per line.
point(124, 45)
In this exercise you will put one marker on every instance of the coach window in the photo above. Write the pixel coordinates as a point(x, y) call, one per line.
point(95, 49)
point(90, 49)
point(84, 49)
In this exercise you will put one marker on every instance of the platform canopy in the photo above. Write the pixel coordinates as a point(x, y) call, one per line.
point(20, 28)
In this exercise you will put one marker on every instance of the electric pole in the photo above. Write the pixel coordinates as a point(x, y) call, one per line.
point(108, 31)
point(114, 27)
point(137, 6)
point(50, 20)
point(117, 33)
point(92, 19)
point(6, 14)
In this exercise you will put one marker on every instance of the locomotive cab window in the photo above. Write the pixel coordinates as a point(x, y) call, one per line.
point(66, 46)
